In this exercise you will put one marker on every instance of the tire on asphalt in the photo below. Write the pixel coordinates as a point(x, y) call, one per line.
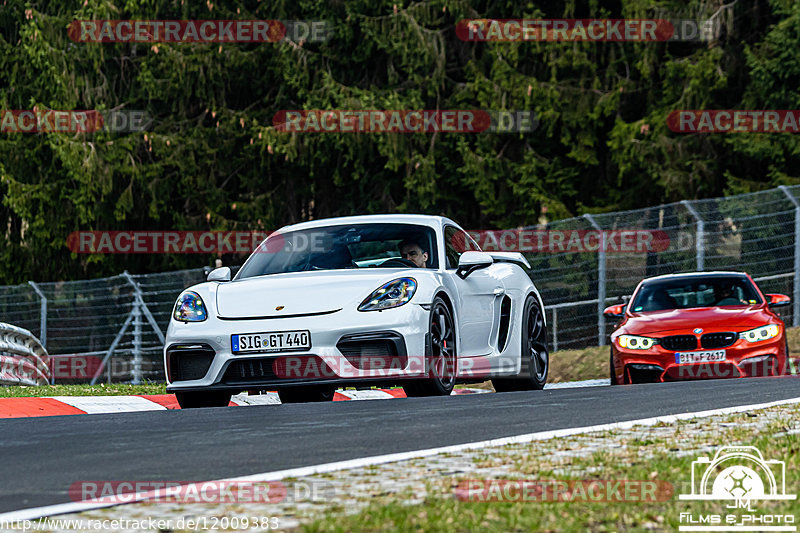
point(315, 393)
point(195, 399)
point(612, 373)
point(535, 355)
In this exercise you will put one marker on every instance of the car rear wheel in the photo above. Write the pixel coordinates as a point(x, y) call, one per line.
point(535, 357)
point(441, 358)
point(194, 399)
point(317, 393)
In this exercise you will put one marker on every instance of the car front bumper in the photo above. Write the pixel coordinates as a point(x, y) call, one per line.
point(742, 359)
point(405, 328)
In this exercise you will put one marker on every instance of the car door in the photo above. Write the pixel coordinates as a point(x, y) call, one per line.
point(478, 296)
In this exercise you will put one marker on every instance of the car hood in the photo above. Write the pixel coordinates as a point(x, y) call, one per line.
point(301, 293)
point(708, 318)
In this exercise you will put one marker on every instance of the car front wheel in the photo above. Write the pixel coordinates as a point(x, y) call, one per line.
point(440, 359)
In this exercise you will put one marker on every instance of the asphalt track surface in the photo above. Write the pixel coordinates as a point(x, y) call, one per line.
point(42, 457)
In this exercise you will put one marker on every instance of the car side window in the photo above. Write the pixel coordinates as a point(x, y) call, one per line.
point(456, 242)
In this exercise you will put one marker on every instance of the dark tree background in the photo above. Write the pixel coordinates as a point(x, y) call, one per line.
point(212, 160)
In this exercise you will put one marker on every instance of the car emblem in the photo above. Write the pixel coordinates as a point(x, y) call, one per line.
point(279, 308)
point(698, 331)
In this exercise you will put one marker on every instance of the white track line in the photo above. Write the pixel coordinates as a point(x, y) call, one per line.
point(603, 382)
point(76, 507)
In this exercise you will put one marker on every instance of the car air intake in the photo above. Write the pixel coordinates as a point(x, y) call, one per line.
point(718, 340)
point(679, 342)
point(186, 362)
point(374, 351)
point(505, 323)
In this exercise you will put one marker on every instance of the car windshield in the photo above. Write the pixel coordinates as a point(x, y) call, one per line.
point(344, 247)
point(688, 293)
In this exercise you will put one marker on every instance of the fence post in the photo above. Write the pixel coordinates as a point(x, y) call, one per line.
point(555, 329)
point(42, 314)
point(700, 245)
point(601, 281)
point(796, 292)
point(42, 321)
point(137, 330)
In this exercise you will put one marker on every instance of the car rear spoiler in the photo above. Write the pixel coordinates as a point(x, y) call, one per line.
point(510, 257)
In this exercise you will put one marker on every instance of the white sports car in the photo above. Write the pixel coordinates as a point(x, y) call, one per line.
point(359, 301)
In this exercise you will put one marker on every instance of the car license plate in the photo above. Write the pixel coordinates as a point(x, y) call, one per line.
point(274, 341)
point(708, 356)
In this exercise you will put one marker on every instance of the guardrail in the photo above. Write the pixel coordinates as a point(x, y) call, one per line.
point(23, 359)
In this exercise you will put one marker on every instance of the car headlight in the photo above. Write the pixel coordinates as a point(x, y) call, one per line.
point(392, 294)
point(634, 342)
point(760, 334)
point(190, 308)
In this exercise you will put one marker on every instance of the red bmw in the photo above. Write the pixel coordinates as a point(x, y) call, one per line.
point(698, 325)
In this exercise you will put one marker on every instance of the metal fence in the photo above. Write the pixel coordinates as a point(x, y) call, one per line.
point(113, 328)
point(758, 233)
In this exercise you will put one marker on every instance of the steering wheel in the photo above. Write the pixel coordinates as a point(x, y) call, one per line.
point(398, 262)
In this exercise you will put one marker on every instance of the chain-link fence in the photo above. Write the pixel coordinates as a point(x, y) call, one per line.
point(113, 328)
point(758, 233)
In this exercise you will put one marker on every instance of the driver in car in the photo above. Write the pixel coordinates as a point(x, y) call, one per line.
point(412, 251)
point(726, 295)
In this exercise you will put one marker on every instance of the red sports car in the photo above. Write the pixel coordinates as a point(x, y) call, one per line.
point(695, 326)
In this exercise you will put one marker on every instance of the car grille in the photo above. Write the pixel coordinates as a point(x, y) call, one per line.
point(301, 367)
point(249, 370)
point(679, 342)
point(718, 340)
point(189, 361)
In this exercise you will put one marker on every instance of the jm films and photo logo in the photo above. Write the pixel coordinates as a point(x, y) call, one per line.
point(546, 491)
point(591, 30)
point(205, 492)
point(198, 31)
point(737, 476)
point(734, 121)
point(404, 121)
point(72, 121)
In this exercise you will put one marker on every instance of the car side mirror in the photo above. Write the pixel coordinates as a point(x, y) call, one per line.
point(220, 274)
point(778, 300)
point(469, 262)
point(615, 311)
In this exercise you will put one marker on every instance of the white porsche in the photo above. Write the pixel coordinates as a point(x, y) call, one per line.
point(378, 300)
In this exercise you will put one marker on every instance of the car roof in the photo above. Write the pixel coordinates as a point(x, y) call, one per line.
point(690, 275)
point(421, 220)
